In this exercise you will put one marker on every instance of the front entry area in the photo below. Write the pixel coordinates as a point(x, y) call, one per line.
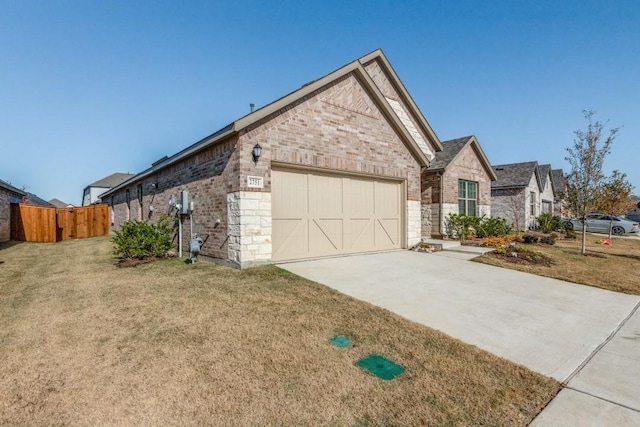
point(317, 214)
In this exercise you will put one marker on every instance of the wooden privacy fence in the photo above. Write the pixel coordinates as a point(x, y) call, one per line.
point(39, 224)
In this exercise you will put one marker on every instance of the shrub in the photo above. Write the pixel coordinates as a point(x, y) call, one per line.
point(496, 242)
point(138, 239)
point(530, 239)
point(570, 234)
point(469, 227)
point(493, 227)
point(549, 240)
point(548, 223)
point(461, 226)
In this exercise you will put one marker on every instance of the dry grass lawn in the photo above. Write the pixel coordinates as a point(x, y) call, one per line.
point(85, 343)
point(614, 267)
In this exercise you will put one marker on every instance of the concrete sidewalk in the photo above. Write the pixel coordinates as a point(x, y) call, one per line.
point(550, 326)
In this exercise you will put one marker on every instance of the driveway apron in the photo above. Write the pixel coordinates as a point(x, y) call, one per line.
point(586, 337)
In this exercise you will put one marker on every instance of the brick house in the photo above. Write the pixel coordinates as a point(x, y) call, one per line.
point(332, 168)
point(546, 189)
point(458, 181)
point(8, 195)
point(515, 194)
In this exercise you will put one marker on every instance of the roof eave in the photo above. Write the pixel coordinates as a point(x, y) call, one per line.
point(198, 146)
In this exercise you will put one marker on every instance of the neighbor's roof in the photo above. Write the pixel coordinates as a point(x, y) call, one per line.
point(58, 203)
point(543, 173)
point(11, 188)
point(514, 175)
point(452, 148)
point(112, 180)
point(357, 68)
point(34, 200)
point(558, 181)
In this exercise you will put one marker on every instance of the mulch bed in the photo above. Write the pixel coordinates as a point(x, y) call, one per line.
point(524, 258)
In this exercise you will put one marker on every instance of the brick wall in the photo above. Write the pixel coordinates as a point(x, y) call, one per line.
point(5, 215)
point(207, 176)
point(466, 166)
point(337, 127)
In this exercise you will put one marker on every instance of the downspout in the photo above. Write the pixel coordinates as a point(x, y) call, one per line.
point(439, 175)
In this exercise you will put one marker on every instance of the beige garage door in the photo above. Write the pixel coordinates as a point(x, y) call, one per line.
point(317, 214)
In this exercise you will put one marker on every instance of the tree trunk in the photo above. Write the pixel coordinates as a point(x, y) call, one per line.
point(584, 237)
point(610, 227)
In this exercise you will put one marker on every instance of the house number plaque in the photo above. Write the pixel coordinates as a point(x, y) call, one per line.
point(255, 182)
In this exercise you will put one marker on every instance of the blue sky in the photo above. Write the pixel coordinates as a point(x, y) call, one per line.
point(88, 88)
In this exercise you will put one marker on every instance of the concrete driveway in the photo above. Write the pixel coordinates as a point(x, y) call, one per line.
point(586, 337)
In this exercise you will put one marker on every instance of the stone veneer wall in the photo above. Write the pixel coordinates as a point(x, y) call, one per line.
point(414, 224)
point(249, 228)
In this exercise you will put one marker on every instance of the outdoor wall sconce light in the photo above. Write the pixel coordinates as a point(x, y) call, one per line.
point(256, 152)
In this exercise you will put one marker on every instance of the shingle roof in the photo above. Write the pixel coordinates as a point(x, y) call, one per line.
point(58, 203)
point(34, 200)
point(543, 173)
point(356, 67)
point(558, 181)
point(112, 180)
point(450, 150)
point(514, 175)
point(453, 147)
point(11, 188)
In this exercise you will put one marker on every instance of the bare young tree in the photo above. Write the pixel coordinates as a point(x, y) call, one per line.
point(615, 197)
point(586, 157)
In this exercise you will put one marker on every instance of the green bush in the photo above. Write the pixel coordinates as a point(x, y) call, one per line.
point(493, 227)
point(530, 239)
point(461, 226)
point(570, 234)
point(549, 240)
point(468, 227)
point(548, 223)
point(138, 239)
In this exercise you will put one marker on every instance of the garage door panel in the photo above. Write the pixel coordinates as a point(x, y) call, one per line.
point(360, 236)
point(387, 199)
point(360, 199)
point(320, 214)
point(291, 199)
point(326, 236)
point(292, 238)
point(387, 233)
point(325, 196)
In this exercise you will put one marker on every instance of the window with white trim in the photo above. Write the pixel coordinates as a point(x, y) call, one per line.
point(467, 197)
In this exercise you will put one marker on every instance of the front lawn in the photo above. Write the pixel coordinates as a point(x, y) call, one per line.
point(612, 267)
point(165, 343)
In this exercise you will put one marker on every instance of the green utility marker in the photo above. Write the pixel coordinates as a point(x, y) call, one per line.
point(340, 342)
point(380, 367)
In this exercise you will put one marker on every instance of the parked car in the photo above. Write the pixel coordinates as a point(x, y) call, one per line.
point(599, 223)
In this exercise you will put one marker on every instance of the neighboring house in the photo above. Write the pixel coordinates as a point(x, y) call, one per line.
point(332, 168)
point(33, 200)
point(60, 204)
point(559, 184)
point(515, 195)
point(92, 192)
point(546, 189)
point(8, 195)
point(458, 181)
